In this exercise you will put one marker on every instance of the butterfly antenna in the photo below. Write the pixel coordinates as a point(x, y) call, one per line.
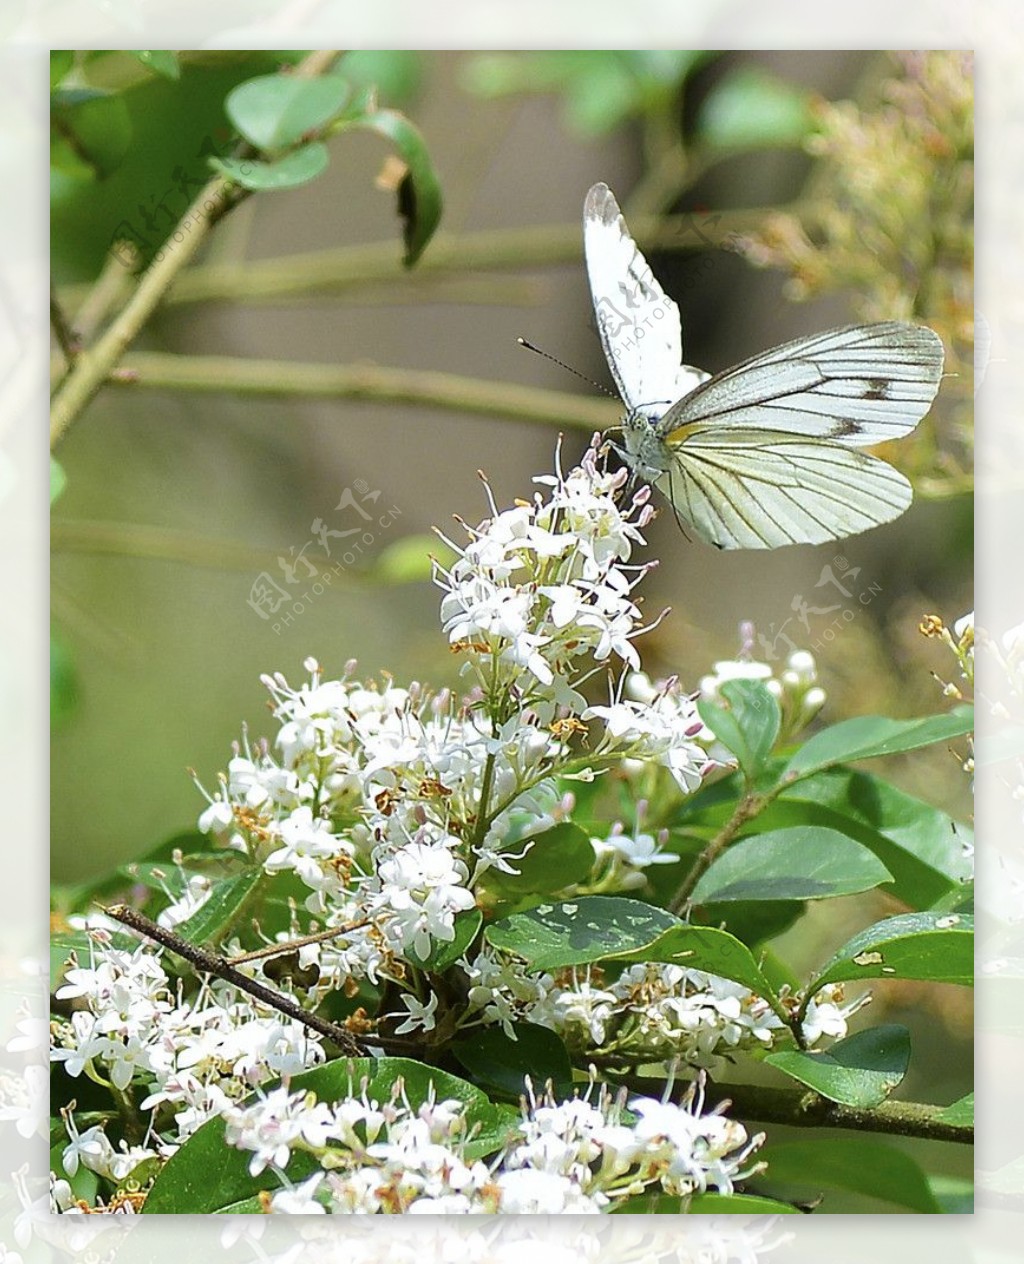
point(568, 367)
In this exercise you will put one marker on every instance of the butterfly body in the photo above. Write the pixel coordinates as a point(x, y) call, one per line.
point(766, 453)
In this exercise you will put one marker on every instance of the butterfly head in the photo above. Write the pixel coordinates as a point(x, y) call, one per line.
point(645, 451)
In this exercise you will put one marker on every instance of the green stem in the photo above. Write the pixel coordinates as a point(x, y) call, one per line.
point(350, 267)
point(747, 808)
point(215, 374)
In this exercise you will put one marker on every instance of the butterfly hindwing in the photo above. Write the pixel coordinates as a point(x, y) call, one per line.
point(761, 490)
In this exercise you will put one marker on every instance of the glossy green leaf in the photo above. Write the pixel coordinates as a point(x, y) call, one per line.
point(420, 201)
point(868, 736)
point(208, 1176)
point(748, 726)
point(274, 111)
point(804, 863)
point(960, 1113)
point(933, 946)
point(557, 858)
point(750, 108)
point(578, 931)
point(95, 124)
point(861, 1070)
point(445, 954)
point(294, 169)
point(220, 912)
point(866, 1167)
point(924, 849)
point(499, 1062)
point(704, 948)
point(162, 61)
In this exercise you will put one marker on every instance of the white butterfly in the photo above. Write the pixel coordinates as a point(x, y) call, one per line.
point(764, 454)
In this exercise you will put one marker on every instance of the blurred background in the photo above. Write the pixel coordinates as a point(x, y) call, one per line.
point(814, 189)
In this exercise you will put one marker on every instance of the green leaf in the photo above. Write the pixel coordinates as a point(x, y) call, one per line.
point(750, 109)
point(274, 111)
point(395, 73)
point(933, 946)
point(58, 479)
point(162, 61)
point(960, 1113)
point(922, 847)
point(95, 124)
point(298, 167)
point(849, 1163)
point(559, 857)
point(443, 955)
point(704, 948)
point(208, 1176)
point(63, 682)
point(420, 201)
point(867, 736)
point(64, 943)
point(861, 1070)
point(212, 919)
point(954, 1194)
point(749, 727)
point(804, 863)
point(61, 61)
point(739, 1205)
point(579, 931)
point(501, 1063)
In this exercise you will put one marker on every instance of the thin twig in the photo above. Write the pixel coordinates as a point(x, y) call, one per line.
point(68, 338)
point(747, 808)
point(211, 963)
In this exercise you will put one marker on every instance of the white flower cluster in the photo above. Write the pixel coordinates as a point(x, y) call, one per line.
point(544, 584)
point(652, 1011)
point(575, 1157)
point(795, 688)
point(196, 1057)
point(390, 803)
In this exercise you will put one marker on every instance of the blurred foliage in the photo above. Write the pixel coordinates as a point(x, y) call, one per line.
point(126, 158)
point(601, 88)
point(888, 219)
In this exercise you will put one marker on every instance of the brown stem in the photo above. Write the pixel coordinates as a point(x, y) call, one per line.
point(747, 808)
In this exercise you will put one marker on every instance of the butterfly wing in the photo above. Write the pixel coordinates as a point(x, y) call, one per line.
point(759, 489)
point(638, 323)
point(859, 385)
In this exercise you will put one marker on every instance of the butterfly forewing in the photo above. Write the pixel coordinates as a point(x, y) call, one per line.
point(637, 321)
point(859, 385)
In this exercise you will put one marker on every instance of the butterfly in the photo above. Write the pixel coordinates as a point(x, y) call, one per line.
point(770, 452)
